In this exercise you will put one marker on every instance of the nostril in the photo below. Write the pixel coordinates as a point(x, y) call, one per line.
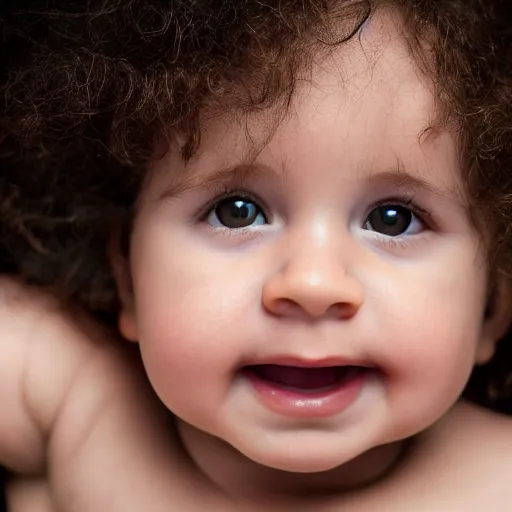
point(342, 310)
point(285, 307)
point(314, 309)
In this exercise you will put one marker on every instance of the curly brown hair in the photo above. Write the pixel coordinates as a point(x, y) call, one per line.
point(88, 87)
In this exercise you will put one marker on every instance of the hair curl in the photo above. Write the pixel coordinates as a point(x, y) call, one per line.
point(88, 87)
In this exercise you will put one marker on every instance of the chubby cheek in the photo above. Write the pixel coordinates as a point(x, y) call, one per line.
point(190, 314)
point(433, 329)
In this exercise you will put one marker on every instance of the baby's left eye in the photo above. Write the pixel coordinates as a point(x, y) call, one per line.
point(393, 220)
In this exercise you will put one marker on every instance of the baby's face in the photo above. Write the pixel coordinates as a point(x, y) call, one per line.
point(327, 296)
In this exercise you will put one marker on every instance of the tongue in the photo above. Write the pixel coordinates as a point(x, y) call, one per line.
point(305, 378)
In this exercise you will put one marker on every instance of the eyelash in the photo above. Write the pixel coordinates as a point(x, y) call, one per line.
point(203, 213)
point(423, 214)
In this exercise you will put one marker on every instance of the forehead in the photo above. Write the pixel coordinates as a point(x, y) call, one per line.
point(367, 96)
point(373, 69)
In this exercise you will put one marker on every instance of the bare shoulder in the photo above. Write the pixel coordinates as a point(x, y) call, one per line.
point(475, 423)
point(475, 444)
point(476, 434)
point(19, 303)
point(34, 316)
point(464, 460)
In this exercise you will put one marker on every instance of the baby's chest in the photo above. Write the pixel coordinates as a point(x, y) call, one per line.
point(457, 500)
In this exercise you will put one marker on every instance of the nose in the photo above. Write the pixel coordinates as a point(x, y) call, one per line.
point(313, 282)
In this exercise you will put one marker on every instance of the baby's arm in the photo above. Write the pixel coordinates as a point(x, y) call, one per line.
point(61, 379)
point(76, 408)
point(44, 354)
point(30, 355)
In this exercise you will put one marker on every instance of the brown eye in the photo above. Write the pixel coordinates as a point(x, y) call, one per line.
point(393, 220)
point(236, 213)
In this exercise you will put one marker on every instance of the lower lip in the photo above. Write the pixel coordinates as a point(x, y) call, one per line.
point(295, 404)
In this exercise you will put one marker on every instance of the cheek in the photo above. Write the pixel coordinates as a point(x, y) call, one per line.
point(432, 324)
point(190, 313)
point(184, 346)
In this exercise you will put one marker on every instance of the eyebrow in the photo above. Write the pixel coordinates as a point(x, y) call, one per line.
point(238, 173)
point(400, 177)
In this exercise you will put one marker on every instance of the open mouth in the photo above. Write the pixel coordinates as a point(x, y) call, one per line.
point(307, 392)
point(305, 379)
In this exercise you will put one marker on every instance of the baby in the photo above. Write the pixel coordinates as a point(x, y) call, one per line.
point(308, 230)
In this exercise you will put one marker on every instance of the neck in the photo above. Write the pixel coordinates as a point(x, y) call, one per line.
point(241, 478)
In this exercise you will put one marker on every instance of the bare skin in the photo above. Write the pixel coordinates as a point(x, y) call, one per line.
point(92, 421)
point(78, 412)
point(29, 494)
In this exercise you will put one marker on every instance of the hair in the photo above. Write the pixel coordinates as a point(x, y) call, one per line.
point(87, 88)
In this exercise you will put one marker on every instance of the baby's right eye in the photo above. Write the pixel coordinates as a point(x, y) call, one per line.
point(236, 212)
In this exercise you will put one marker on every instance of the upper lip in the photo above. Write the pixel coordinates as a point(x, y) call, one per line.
point(299, 362)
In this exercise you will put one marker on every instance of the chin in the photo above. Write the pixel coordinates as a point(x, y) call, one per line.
point(299, 462)
point(308, 466)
